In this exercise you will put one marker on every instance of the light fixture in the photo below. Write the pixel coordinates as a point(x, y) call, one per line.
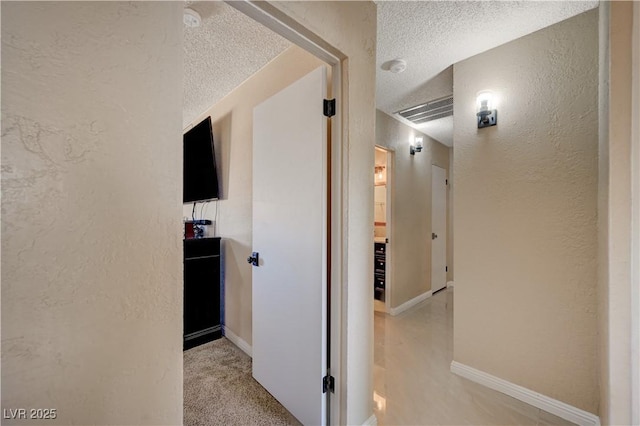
point(378, 172)
point(416, 146)
point(397, 66)
point(191, 18)
point(487, 115)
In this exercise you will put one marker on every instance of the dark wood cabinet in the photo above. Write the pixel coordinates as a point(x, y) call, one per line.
point(379, 270)
point(201, 291)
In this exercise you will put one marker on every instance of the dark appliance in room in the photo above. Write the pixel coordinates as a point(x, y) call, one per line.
point(200, 176)
point(201, 291)
point(202, 295)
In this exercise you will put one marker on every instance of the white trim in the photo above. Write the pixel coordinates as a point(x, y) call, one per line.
point(272, 18)
point(434, 280)
point(449, 284)
point(371, 421)
point(236, 340)
point(338, 355)
point(536, 399)
point(410, 303)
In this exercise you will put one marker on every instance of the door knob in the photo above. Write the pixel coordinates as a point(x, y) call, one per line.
point(434, 235)
point(254, 259)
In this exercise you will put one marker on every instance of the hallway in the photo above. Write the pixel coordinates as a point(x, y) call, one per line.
point(413, 384)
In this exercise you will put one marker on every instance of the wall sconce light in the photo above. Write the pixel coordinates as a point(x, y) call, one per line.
point(416, 146)
point(487, 116)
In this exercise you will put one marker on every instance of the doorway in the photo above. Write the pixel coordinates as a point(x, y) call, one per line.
point(439, 267)
point(382, 229)
point(235, 227)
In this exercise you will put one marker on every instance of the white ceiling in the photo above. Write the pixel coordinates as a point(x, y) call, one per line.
point(430, 35)
point(226, 49)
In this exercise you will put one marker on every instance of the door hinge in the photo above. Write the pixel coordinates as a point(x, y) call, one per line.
point(328, 384)
point(329, 108)
point(446, 269)
point(446, 181)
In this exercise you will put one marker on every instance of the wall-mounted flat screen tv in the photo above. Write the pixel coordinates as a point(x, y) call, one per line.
point(200, 181)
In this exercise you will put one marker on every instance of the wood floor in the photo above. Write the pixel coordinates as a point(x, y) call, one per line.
point(412, 381)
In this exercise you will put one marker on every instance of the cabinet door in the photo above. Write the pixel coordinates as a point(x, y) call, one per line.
point(201, 293)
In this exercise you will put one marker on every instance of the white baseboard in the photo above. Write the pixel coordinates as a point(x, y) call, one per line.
point(236, 340)
point(371, 421)
point(410, 303)
point(536, 399)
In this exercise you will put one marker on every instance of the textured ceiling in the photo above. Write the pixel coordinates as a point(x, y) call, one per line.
point(433, 35)
point(229, 47)
point(226, 49)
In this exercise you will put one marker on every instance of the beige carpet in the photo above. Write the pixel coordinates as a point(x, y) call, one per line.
point(219, 389)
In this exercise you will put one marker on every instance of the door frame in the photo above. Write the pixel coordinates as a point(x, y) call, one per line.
point(446, 225)
point(272, 18)
point(388, 280)
point(390, 157)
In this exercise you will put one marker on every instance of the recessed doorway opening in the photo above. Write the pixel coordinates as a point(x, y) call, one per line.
point(382, 229)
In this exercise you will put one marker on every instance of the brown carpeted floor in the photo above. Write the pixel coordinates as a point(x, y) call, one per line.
point(219, 389)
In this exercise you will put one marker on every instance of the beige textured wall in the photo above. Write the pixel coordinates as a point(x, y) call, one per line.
point(525, 210)
point(232, 119)
point(615, 207)
point(410, 242)
point(91, 204)
point(351, 28)
point(635, 219)
point(603, 211)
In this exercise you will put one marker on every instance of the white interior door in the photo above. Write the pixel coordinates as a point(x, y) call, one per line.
point(289, 233)
point(438, 228)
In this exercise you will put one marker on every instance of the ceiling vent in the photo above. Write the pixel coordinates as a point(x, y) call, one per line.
point(432, 110)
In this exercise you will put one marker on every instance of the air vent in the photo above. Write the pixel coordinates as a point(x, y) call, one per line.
point(432, 110)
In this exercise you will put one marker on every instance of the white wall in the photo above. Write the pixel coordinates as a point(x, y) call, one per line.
point(232, 120)
point(91, 205)
point(410, 241)
point(525, 208)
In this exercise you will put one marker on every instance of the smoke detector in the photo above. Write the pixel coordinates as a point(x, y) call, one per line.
point(191, 18)
point(397, 66)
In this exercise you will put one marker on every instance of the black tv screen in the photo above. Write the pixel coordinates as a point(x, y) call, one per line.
point(200, 181)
